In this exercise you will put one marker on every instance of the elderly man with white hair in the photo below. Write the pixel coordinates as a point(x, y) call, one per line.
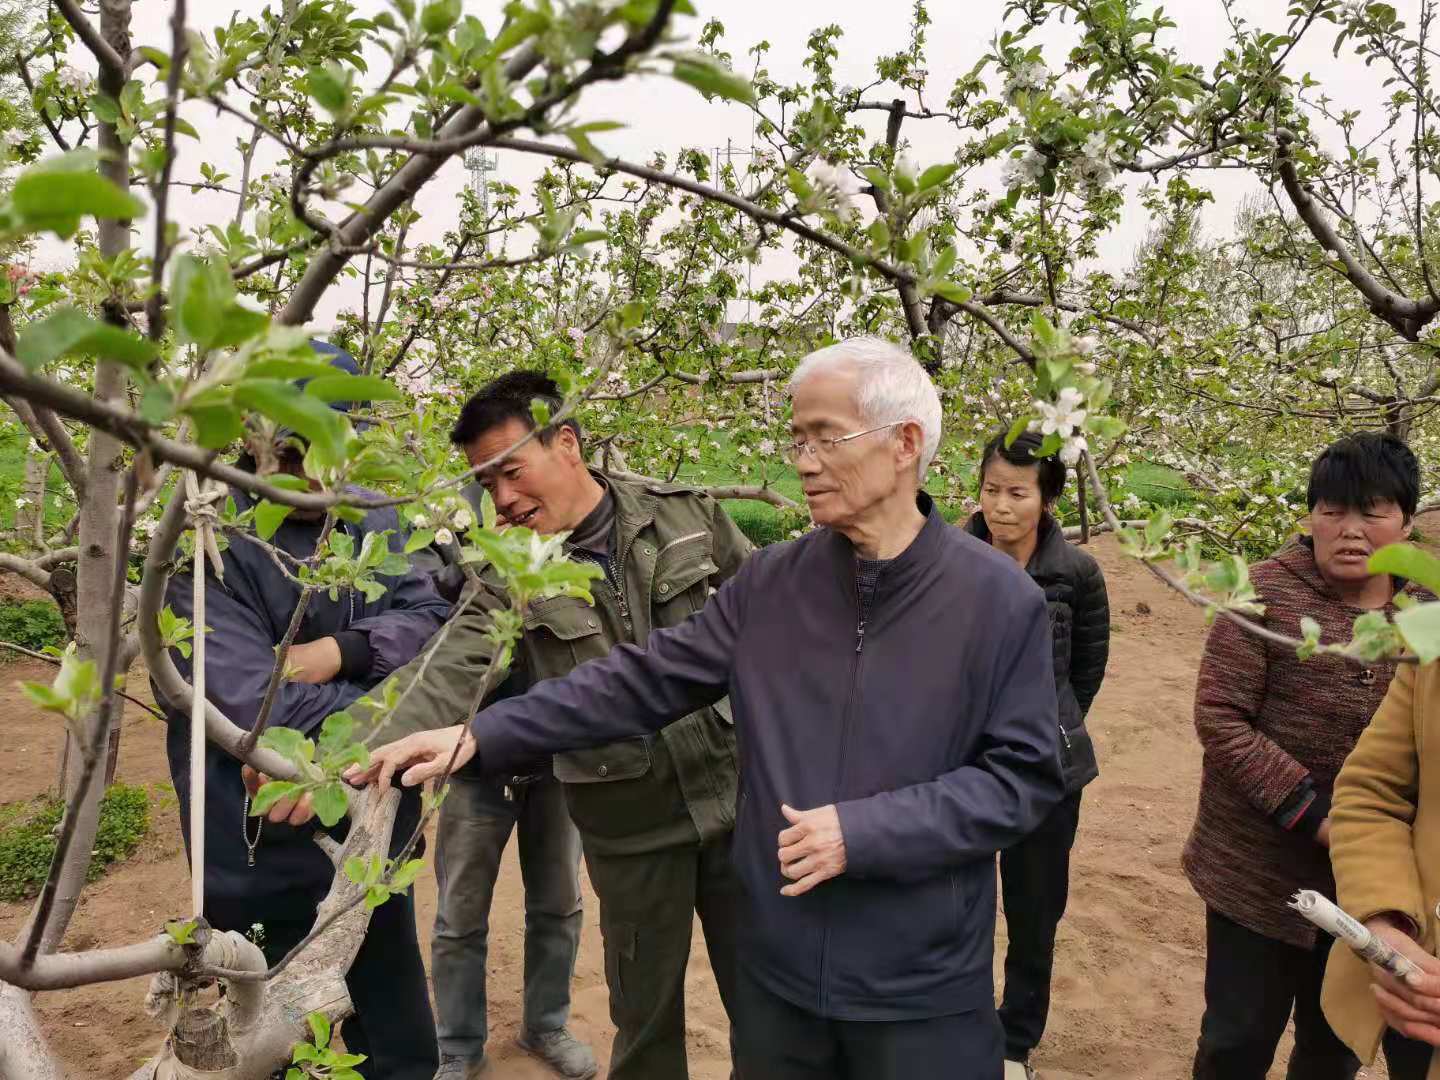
point(891, 684)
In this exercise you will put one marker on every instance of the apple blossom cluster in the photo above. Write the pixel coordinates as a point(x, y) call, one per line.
point(1064, 417)
point(1028, 76)
point(73, 79)
point(1026, 168)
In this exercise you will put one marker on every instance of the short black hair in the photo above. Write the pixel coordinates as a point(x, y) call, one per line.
point(1022, 452)
point(1365, 468)
point(508, 398)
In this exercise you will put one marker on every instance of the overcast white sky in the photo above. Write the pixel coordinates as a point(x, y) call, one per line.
point(662, 114)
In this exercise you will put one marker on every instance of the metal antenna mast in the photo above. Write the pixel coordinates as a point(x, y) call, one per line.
point(480, 164)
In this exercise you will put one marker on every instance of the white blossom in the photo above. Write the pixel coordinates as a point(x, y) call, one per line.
point(1064, 416)
point(545, 550)
point(1072, 97)
point(463, 518)
point(1331, 374)
point(444, 536)
point(420, 521)
point(15, 138)
point(21, 503)
point(1026, 169)
point(1073, 448)
point(1031, 75)
point(767, 447)
point(576, 336)
point(73, 79)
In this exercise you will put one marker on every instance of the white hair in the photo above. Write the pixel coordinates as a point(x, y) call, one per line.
point(890, 387)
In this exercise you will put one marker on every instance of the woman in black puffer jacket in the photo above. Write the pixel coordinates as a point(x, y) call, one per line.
point(1016, 494)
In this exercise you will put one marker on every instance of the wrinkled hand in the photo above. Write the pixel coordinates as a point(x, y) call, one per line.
point(1411, 1006)
point(424, 756)
point(283, 811)
point(315, 661)
point(812, 850)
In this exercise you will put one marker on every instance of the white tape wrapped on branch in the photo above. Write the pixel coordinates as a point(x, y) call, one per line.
point(1334, 921)
point(200, 506)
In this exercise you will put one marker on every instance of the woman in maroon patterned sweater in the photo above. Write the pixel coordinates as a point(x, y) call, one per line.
point(1276, 731)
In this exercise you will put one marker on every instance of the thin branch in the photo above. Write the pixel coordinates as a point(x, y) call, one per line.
point(56, 660)
point(22, 65)
point(160, 193)
point(93, 748)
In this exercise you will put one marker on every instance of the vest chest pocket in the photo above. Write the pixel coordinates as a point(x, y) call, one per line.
point(560, 633)
point(680, 585)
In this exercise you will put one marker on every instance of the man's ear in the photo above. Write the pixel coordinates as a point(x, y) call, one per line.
point(569, 443)
point(910, 439)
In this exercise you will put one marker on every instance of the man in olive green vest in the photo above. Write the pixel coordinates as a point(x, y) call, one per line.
point(655, 813)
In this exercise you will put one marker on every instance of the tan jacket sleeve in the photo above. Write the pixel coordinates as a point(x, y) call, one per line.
point(438, 687)
point(1371, 848)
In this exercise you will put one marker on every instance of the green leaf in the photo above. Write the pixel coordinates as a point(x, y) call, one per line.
point(355, 869)
point(268, 517)
point(713, 79)
point(201, 291)
point(182, 933)
point(320, 1028)
point(316, 422)
point(330, 803)
point(105, 108)
point(157, 403)
point(70, 331)
point(327, 86)
point(55, 194)
point(952, 291)
point(216, 426)
point(271, 793)
point(440, 16)
point(1409, 562)
point(1016, 430)
point(1420, 627)
point(404, 877)
point(420, 538)
point(936, 175)
point(353, 388)
point(288, 743)
point(642, 12)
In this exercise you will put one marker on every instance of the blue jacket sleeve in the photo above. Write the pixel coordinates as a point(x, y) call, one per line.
point(239, 656)
point(628, 692)
point(398, 634)
point(989, 803)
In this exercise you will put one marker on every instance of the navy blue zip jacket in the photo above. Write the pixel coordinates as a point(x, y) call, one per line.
point(932, 728)
point(248, 615)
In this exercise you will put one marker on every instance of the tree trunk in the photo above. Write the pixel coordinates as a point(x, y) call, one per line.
point(1084, 509)
point(99, 513)
point(30, 522)
point(24, 1054)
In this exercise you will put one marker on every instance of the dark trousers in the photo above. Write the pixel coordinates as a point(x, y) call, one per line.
point(1407, 1059)
point(777, 1040)
point(648, 904)
point(1252, 984)
point(476, 821)
point(392, 1024)
point(1035, 884)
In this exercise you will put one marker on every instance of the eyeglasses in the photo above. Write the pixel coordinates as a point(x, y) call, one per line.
point(824, 447)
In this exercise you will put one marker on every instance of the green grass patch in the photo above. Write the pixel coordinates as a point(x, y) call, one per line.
point(33, 624)
point(27, 838)
point(1159, 485)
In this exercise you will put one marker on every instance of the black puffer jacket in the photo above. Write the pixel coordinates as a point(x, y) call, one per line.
point(1080, 621)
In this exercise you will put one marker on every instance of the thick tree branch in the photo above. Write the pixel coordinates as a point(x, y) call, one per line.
point(87, 32)
point(1408, 317)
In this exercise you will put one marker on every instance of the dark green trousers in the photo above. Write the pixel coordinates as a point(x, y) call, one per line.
point(648, 904)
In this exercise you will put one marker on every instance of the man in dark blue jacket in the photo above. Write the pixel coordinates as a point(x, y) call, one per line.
point(273, 875)
point(891, 683)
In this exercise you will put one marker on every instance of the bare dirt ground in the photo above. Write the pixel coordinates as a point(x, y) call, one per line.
point(1130, 964)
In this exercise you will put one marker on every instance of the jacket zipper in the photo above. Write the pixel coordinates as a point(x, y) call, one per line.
point(839, 779)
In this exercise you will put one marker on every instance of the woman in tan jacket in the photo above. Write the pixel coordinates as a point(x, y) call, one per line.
point(1385, 849)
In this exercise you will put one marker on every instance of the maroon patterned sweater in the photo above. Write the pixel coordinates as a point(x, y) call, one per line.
point(1275, 731)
